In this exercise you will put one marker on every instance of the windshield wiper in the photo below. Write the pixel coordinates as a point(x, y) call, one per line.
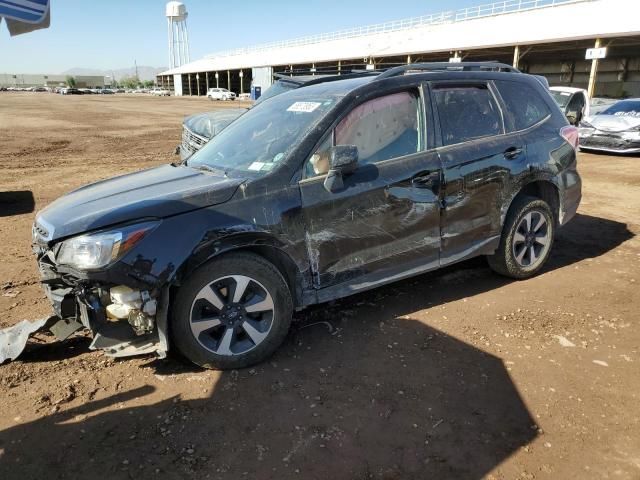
point(209, 168)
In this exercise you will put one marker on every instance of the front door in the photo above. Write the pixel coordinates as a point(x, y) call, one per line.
point(387, 216)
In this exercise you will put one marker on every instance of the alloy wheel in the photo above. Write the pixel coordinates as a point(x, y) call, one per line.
point(531, 239)
point(232, 315)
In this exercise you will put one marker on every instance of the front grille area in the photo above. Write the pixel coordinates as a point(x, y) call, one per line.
point(607, 141)
point(192, 142)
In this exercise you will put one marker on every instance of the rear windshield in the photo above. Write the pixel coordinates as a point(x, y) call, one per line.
point(258, 141)
point(625, 108)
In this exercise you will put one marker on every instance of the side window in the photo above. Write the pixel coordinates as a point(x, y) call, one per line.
point(318, 163)
point(383, 128)
point(524, 102)
point(467, 112)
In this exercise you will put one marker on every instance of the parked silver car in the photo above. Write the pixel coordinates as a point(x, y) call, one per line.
point(615, 129)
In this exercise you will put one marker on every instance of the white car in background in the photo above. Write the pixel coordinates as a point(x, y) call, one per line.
point(220, 94)
point(160, 92)
point(574, 102)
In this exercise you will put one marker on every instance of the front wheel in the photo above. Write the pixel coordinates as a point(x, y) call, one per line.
point(232, 313)
point(526, 240)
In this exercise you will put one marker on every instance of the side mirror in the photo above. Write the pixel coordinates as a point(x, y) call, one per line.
point(343, 160)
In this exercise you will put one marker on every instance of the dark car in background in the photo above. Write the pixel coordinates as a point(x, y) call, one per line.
point(70, 91)
point(321, 192)
point(199, 128)
point(615, 129)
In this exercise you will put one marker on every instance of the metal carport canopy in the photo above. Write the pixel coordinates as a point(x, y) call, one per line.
point(555, 22)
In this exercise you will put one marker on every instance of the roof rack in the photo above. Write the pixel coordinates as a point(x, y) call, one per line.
point(322, 77)
point(448, 66)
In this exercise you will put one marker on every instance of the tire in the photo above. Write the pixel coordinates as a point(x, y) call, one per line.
point(215, 328)
point(527, 239)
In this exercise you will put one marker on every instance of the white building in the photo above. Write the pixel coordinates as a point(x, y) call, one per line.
point(548, 37)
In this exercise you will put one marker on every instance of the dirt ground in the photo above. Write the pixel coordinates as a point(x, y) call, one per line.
point(454, 374)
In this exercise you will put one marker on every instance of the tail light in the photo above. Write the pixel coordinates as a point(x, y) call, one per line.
point(570, 134)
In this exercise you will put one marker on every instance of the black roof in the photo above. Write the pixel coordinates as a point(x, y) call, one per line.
point(346, 83)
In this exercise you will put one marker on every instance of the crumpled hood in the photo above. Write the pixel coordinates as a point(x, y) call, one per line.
point(158, 192)
point(613, 123)
point(209, 124)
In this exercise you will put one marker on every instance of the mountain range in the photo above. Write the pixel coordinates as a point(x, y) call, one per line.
point(144, 72)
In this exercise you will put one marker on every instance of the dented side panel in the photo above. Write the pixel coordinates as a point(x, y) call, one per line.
point(478, 181)
point(382, 218)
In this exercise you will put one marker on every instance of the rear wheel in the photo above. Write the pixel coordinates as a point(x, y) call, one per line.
point(526, 241)
point(233, 312)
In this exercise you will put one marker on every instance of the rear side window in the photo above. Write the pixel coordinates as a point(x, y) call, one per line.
point(466, 113)
point(525, 104)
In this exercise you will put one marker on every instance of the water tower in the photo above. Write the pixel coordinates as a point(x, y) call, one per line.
point(178, 38)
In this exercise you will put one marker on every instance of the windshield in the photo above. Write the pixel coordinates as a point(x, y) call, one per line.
point(261, 138)
point(561, 98)
point(625, 108)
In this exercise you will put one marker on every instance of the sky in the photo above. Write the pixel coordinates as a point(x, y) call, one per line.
point(114, 34)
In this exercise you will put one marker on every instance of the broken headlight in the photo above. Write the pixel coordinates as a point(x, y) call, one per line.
point(97, 250)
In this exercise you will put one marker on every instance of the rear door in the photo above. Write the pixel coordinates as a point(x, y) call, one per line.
point(388, 214)
point(476, 155)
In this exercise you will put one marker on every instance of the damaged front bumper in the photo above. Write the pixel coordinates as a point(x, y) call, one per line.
point(123, 320)
point(612, 142)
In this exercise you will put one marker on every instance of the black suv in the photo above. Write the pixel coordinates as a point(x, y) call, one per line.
point(315, 194)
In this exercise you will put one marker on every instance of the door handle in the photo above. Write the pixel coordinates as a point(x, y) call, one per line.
point(426, 179)
point(512, 152)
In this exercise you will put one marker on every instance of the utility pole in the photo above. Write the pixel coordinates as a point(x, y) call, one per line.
point(135, 63)
point(591, 89)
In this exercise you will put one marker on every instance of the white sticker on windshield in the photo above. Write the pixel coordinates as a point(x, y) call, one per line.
point(257, 166)
point(303, 107)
